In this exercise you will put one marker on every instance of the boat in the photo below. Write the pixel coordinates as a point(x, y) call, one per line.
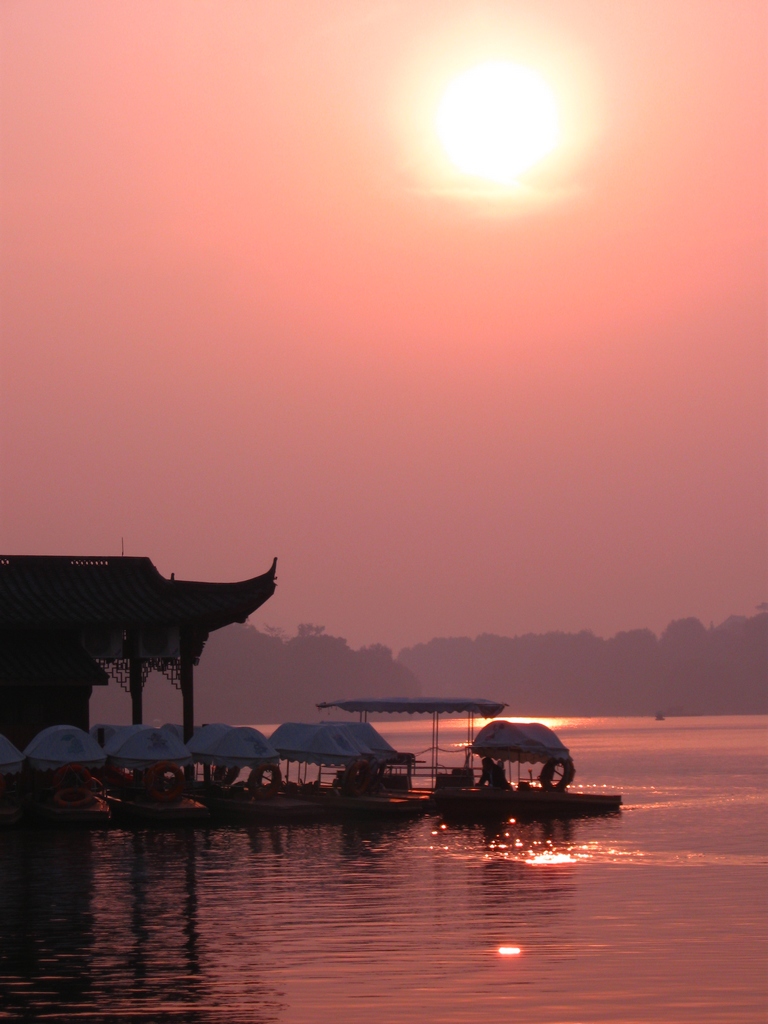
point(225, 751)
point(401, 772)
point(359, 756)
point(66, 788)
point(145, 778)
point(548, 795)
point(11, 765)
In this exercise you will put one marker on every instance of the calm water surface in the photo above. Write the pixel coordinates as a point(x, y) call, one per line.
point(657, 914)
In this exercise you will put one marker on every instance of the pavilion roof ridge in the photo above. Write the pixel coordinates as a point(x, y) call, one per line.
point(73, 591)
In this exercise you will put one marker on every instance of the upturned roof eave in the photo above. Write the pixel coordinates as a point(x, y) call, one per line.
point(63, 594)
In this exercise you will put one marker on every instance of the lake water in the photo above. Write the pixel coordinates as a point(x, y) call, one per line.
point(657, 914)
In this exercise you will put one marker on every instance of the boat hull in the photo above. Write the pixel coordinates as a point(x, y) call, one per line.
point(98, 813)
point(385, 806)
point(535, 803)
point(143, 809)
point(279, 808)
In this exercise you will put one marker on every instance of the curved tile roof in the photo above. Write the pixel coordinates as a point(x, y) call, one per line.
point(63, 592)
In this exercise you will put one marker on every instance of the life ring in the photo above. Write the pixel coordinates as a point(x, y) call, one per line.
point(356, 778)
point(164, 782)
point(71, 775)
point(569, 771)
point(547, 774)
point(256, 786)
point(73, 797)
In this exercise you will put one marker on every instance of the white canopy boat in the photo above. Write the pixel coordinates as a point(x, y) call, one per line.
point(359, 755)
point(523, 743)
point(225, 751)
point(65, 789)
point(11, 764)
point(145, 775)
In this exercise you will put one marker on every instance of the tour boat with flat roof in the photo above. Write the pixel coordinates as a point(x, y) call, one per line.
point(402, 772)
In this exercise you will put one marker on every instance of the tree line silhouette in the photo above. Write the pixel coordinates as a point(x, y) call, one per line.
point(265, 675)
point(689, 669)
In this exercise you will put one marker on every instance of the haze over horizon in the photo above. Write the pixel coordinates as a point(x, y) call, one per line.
point(248, 310)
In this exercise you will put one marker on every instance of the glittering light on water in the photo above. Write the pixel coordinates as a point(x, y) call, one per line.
point(509, 950)
point(551, 858)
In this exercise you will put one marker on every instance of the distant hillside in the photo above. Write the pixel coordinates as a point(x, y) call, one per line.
point(246, 675)
point(689, 669)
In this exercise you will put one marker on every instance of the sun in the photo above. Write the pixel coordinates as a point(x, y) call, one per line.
point(497, 120)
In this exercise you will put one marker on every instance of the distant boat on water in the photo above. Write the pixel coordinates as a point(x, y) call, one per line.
point(659, 716)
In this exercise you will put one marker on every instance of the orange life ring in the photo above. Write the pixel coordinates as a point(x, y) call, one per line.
point(547, 774)
point(256, 786)
point(164, 782)
point(3, 786)
point(569, 771)
point(356, 778)
point(72, 797)
point(71, 774)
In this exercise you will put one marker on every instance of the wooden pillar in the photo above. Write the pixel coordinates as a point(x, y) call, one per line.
point(186, 673)
point(136, 688)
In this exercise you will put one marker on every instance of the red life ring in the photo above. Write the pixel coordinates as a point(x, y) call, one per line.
point(164, 782)
point(72, 797)
point(70, 775)
point(256, 786)
point(356, 778)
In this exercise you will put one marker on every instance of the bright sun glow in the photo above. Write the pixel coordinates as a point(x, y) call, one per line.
point(497, 120)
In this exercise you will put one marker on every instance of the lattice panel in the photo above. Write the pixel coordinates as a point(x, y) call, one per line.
point(170, 668)
point(119, 670)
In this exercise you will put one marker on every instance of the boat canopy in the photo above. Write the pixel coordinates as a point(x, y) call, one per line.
point(531, 742)
point(323, 743)
point(11, 759)
point(140, 746)
point(109, 731)
point(231, 746)
point(64, 744)
point(420, 705)
point(365, 734)
point(175, 730)
point(203, 739)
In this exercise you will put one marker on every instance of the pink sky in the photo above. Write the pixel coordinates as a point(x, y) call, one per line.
point(246, 311)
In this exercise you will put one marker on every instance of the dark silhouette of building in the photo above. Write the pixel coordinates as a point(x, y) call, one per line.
point(68, 624)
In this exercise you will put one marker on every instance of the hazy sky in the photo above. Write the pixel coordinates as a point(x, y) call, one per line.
point(248, 309)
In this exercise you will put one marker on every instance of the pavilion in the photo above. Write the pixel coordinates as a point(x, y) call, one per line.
point(68, 624)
